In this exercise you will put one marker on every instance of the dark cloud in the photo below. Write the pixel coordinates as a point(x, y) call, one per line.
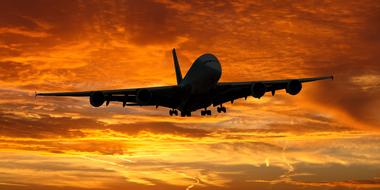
point(58, 20)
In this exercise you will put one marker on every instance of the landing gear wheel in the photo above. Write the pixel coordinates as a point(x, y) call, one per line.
point(205, 112)
point(221, 109)
point(173, 112)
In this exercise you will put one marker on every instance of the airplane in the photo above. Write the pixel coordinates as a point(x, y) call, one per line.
point(199, 89)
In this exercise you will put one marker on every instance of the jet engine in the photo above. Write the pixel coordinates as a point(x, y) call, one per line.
point(258, 90)
point(294, 87)
point(144, 96)
point(97, 99)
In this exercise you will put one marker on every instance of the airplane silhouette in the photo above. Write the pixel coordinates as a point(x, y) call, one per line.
point(199, 89)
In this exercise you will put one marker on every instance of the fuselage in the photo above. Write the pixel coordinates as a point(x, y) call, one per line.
point(199, 82)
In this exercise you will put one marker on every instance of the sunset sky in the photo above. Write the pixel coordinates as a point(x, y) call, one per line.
point(326, 137)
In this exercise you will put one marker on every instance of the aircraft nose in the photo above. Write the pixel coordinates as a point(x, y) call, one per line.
point(214, 65)
point(212, 62)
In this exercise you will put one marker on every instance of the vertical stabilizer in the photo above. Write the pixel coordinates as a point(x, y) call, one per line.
point(176, 67)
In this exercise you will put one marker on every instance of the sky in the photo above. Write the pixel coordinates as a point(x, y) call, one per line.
point(326, 137)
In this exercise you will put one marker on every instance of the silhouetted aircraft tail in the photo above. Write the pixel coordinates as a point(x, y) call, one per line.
point(176, 67)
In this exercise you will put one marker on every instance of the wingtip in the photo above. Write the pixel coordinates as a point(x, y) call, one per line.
point(36, 94)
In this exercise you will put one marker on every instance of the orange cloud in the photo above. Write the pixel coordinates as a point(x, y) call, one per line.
point(275, 142)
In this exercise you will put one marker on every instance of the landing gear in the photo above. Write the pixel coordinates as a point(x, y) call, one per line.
point(173, 112)
point(205, 112)
point(186, 113)
point(221, 109)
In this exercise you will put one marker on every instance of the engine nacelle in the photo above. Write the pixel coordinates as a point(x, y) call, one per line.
point(294, 87)
point(144, 96)
point(97, 99)
point(258, 89)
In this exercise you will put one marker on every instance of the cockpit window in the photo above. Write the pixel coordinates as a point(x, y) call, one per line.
point(207, 61)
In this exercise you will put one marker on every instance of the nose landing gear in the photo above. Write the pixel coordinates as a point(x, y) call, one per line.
point(186, 113)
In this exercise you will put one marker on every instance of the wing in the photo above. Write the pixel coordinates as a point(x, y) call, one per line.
point(157, 96)
point(229, 91)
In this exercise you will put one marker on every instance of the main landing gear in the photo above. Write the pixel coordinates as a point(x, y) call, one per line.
point(173, 112)
point(221, 109)
point(205, 112)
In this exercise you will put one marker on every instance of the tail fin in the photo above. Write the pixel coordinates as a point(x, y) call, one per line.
point(176, 67)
